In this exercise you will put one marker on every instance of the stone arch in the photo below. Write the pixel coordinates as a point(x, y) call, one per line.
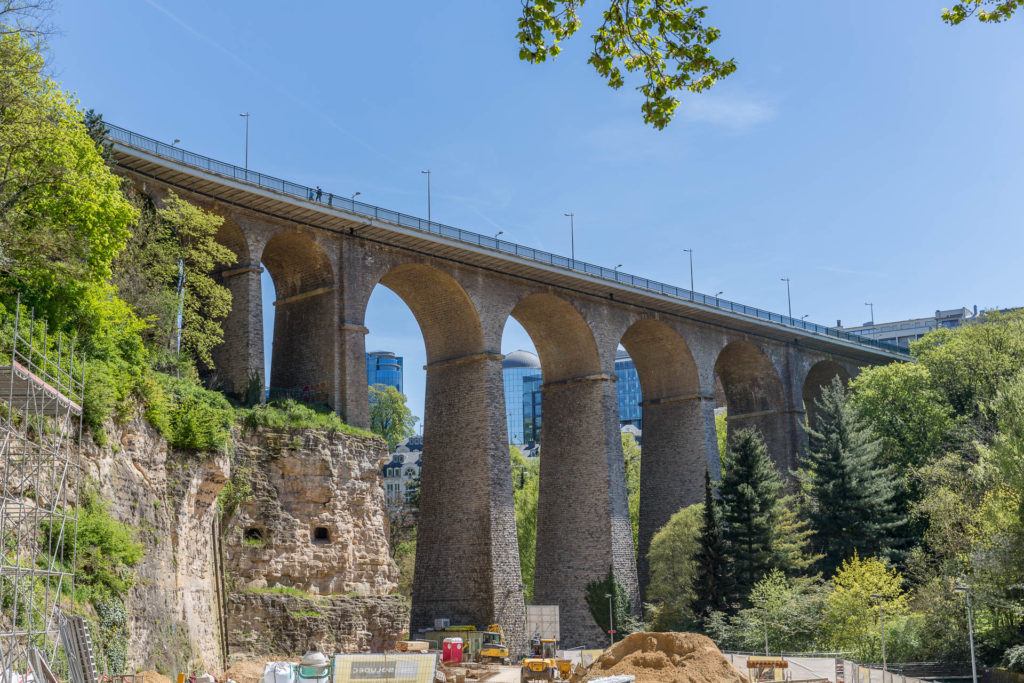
point(469, 539)
point(675, 440)
point(303, 352)
point(818, 377)
point(447, 317)
point(582, 514)
point(565, 343)
point(754, 397)
point(241, 352)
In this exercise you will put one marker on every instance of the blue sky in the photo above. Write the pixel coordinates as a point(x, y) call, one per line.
point(867, 155)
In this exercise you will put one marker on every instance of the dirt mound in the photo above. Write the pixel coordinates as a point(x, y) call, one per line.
point(666, 658)
point(152, 677)
point(250, 670)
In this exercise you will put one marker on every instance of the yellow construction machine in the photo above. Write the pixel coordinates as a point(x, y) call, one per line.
point(545, 665)
point(493, 647)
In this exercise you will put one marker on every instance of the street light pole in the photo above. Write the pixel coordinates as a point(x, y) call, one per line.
point(428, 194)
point(872, 307)
point(764, 608)
point(970, 630)
point(789, 300)
point(881, 619)
point(690, 252)
point(246, 117)
point(611, 618)
point(572, 234)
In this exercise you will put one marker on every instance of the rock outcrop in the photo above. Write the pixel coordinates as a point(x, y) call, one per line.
point(170, 498)
point(316, 520)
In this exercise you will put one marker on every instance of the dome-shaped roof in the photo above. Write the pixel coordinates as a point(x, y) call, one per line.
point(521, 359)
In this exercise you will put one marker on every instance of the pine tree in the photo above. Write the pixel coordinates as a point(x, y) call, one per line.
point(851, 496)
point(712, 583)
point(751, 511)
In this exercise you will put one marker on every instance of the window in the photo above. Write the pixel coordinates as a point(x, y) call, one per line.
point(321, 536)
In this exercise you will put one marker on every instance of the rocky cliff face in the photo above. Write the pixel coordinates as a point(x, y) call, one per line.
point(315, 524)
point(316, 521)
point(170, 497)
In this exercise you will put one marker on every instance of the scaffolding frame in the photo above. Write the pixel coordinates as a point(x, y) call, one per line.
point(41, 391)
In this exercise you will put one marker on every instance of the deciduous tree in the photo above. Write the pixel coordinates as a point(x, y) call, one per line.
point(673, 566)
point(390, 417)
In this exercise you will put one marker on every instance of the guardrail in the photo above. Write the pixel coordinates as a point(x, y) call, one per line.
point(332, 200)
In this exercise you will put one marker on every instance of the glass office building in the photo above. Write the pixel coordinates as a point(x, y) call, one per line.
point(384, 367)
point(518, 367)
point(628, 387)
point(531, 410)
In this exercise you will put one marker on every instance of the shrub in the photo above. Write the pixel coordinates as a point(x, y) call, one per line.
point(196, 419)
point(289, 413)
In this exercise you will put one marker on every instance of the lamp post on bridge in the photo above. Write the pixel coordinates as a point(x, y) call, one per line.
point(690, 252)
point(789, 300)
point(872, 307)
point(246, 117)
point(428, 194)
point(572, 234)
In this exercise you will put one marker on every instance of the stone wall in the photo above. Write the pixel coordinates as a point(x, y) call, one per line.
point(170, 498)
point(270, 624)
point(307, 482)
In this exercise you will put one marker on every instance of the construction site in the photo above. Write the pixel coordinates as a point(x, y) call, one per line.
point(294, 580)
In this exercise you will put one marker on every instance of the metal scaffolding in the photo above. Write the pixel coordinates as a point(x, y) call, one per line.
point(41, 387)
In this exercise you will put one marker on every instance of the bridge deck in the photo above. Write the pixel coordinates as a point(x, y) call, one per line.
point(293, 202)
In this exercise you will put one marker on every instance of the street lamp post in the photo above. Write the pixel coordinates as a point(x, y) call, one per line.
point(872, 307)
point(246, 117)
point(428, 194)
point(764, 608)
point(789, 300)
point(690, 252)
point(354, 195)
point(572, 234)
point(611, 620)
point(718, 294)
point(970, 629)
point(498, 234)
point(881, 619)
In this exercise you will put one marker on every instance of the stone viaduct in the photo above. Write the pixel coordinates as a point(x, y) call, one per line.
point(327, 256)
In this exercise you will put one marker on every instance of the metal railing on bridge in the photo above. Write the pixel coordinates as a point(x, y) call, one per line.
point(331, 200)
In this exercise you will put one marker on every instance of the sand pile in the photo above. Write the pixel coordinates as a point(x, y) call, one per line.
point(251, 670)
point(152, 677)
point(666, 658)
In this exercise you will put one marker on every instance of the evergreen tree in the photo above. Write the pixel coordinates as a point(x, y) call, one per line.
point(851, 506)
point(712, 584)
point(751, 511)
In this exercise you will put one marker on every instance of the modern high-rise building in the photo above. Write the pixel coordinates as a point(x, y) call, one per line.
point(628, 388)
point(517, 367)
point(384, 367)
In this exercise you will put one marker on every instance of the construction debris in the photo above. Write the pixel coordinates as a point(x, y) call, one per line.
point(663, 658)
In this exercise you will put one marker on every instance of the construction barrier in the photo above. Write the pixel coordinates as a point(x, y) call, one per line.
point(385, 668)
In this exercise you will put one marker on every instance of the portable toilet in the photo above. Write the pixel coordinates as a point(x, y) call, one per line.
point(451, 650)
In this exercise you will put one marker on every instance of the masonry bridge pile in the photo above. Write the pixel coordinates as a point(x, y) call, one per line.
point(325, 262)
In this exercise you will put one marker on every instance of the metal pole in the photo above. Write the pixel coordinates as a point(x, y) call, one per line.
point(872, 307)
point(572, 235)
point(789, 300)
point(881, 619)
point(611, 620)
point(428, 194)
point(246, 117)
point(970, 629)
point(764, 609)
point(690, 252)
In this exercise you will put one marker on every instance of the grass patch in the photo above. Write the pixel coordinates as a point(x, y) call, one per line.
point(289, 413)
point(306, 613)
point(282, 590)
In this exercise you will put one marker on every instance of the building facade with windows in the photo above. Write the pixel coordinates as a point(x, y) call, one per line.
point(384, 367)
point(627, 386)
point(902, 332)
point(517, 368)
point(402, 471)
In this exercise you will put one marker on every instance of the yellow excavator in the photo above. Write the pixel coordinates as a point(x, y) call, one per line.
point(493, 647)
point(545, 665)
